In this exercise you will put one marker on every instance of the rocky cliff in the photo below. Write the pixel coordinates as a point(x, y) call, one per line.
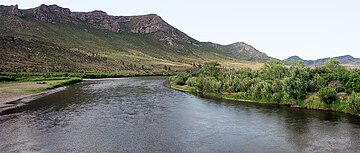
point(12, 10)
point(151, 23)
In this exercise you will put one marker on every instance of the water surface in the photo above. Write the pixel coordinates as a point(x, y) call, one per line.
point(142, 115)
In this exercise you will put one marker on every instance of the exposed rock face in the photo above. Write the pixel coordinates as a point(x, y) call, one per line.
point(12, 10)
point(52, 13)
point(101, 20)
point(136, 24)
point(154, 23)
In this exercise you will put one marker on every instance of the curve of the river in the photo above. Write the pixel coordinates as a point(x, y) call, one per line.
point(142, 115)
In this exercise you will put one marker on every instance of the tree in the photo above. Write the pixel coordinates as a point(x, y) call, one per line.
point(354, 103)
point(181, 78)
point(262, 90)
point(317, 82)
point(191, 82)
point(328, 95)
point(277, 88)
point(273, 70)
point(295, 88)
point(353, 84)
point(211, 69)
point(333, 70)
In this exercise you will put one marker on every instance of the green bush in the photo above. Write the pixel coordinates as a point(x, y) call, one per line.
point(277, 97)
point(354, 103)
point(181, 79)
point(191, 82)
point(328, 95)
point(314, 104)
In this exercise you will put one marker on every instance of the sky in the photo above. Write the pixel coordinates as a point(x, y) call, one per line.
point(311, 29)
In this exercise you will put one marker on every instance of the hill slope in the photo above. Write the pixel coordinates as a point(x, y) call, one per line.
point(52, 38)
point(346, 60)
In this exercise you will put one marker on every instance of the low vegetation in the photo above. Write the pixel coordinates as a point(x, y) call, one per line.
point(6, 77)
point(330, 87)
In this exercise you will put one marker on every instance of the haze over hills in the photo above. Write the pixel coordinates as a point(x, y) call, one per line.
point(52, 38)
point(346, 60)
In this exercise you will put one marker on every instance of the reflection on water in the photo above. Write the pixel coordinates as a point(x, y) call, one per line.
point(142, 115)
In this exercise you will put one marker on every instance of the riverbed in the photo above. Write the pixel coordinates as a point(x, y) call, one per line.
point(143, 115)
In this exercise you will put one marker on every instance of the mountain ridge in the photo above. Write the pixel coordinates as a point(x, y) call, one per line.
point(346, 60)
point(141, 39)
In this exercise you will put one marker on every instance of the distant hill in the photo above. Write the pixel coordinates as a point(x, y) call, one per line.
point(52, 38)
point(346, 60)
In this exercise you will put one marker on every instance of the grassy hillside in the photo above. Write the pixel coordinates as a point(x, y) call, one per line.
point(28, 44)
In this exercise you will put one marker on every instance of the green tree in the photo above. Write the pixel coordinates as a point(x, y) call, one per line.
point(295, 88)
point(244, 85)
point(333, 70)
point(317, 82)
point(211, 69)
point(191, 82)
point(328, 95)
point(353, 84)
point(181, 78)
point(273, 70)
point(354, 103)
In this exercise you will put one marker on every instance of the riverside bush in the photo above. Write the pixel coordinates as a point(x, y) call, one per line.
point(293, 84)
point(354, 103)
point(328, 95)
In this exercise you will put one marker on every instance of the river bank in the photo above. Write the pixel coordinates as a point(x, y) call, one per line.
point(187, 89)
point(16, 94)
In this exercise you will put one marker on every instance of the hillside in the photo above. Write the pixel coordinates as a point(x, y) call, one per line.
point(346, 60)
point(52, 38)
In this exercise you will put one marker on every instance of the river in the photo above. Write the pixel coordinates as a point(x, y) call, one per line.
point(142, 115)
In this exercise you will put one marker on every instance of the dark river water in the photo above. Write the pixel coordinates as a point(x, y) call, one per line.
point(142, 115)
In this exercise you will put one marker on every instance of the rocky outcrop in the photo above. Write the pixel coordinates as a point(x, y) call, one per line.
point(101, 20)
point(154, 23)
point(11, 10)
point(52, 13)
point(151, 23)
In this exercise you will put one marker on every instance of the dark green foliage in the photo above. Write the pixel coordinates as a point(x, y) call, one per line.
point(328, 95)
point(181, 78)
point(273, 70)
point(295, 88)
point(191, 82)
point(211, 69)
point(280, 84)
point(353, 85)
point(354, 102)
point(317, 83)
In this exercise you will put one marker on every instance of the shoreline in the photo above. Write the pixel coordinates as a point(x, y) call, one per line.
point(19, 94)
point(269, 103)
point(22, 100)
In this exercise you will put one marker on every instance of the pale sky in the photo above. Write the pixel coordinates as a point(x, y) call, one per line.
point(310, 29)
